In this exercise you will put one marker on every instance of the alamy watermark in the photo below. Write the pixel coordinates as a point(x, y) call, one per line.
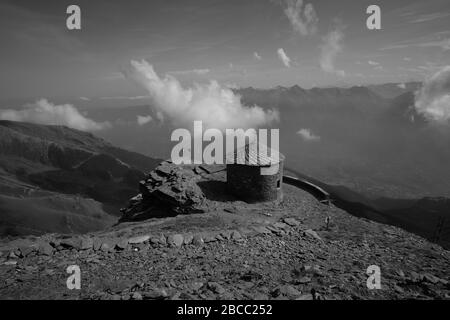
point(374, 279)
point(190, 148)
point(74, 280)
point(73, 21)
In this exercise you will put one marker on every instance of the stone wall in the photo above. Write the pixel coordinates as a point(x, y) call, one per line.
point(247, 183)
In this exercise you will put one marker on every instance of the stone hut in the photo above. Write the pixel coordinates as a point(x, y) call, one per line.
point(255, 173)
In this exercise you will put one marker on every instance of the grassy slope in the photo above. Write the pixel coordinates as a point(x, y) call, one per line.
point(55, 213)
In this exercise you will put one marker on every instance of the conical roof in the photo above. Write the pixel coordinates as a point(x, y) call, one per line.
point(255, 154)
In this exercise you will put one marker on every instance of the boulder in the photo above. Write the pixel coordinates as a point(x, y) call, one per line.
point(281, 225)
point(235, 235)
point(122, 244)
point(188, 238)
point(108, 244)
point(26, 249)
point(162, 240)
point(226, 234)
point(209, 237)
point(291, 222)
point(45, 248)
point(215, 287)
point(195, 286)
point(97, 244)
point(261, 229)
point(311, 233)
point(155, 294)
point(175, 240)
point(138, 239)
point(289, 291)
point(86, 243)
point(71, 243)
point(198, 240)
point(136, 296)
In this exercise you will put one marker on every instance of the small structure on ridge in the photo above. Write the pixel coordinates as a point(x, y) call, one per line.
point(255, 173)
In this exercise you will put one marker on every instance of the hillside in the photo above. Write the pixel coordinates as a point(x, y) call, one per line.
point(223, 248)
point(427, 217)
point(57, 179)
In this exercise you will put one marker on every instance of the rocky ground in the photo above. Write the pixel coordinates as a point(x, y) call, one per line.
point(229, 250)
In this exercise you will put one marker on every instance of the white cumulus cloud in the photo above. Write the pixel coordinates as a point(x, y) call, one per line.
point(45, 112)
point(141, 120)
point(303, 18)
point(307, 135)
point(330, 48)
point(283, 57)
point(216, 106)
point(433, 99)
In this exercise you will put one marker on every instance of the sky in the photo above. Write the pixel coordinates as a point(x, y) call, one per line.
point(237, 43)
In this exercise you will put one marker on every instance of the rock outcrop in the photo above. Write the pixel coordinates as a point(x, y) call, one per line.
point(169, 187)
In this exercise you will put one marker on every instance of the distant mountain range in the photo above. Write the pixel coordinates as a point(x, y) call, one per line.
point(342, 99)
point(57, 179)
point(392, 90)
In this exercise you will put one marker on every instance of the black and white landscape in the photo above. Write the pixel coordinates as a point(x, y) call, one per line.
point(86, 118)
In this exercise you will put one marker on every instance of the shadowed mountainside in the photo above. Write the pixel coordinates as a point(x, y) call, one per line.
point(57, 179)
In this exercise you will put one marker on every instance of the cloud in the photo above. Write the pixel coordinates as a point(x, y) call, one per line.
point(231, 85)
point(141, 120)
point(307, 135)
point(430, 17)
point(373, 63)
point(433, 99)
point(257, 56)
point(125, 98)
point(193, 71)
point(85, 99)
point(303, 19)
point(217, 106)
point(330, 48)
point(45, 112)
point(401, 86)
point(443, 44)
point(283, 57)
point(114, 76)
